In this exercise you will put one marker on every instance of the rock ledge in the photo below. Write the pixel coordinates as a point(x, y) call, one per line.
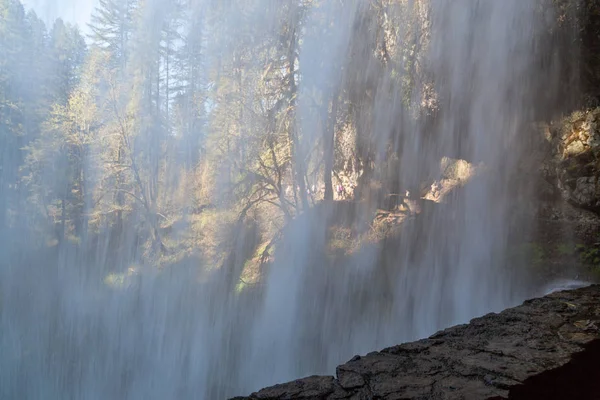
point(514, 354)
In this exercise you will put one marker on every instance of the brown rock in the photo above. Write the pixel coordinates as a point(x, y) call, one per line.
point(575, 159)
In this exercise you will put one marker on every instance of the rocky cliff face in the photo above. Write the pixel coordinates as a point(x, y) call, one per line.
point(541, 349)
point(575, 161)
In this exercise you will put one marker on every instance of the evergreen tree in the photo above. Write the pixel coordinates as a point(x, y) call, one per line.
point(112, 27)
point(67, 54)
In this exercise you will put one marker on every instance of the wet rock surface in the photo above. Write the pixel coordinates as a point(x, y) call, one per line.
point(519, 353)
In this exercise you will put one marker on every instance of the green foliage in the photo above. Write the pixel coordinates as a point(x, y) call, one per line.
point(565, 249)
point(532, 252)
point(590, 255)
point(180, 121)
point(26, 95)
point(112, 26)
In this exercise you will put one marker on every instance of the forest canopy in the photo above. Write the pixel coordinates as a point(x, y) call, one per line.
point(182, 119)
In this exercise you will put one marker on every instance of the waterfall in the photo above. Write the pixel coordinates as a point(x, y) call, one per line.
point(485, 72)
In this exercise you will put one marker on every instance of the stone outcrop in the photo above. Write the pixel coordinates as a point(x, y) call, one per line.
point(575, 165)
point(546, 348)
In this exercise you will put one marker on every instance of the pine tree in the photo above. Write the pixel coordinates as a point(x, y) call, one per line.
point(190, 76)
point(112, 27)
point(56, 157)
point(17, 120)
point(67, 54)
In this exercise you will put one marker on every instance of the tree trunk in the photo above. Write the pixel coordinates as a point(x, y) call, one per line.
point(329, 147)
point(295, 143)
point(63, 220)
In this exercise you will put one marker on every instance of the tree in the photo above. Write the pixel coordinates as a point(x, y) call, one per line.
point(112, 26)
point(67, 55)
point(22, 46)
point(57, 160)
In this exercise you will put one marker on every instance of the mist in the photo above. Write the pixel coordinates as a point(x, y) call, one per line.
point(200, 198)
point(73, 11)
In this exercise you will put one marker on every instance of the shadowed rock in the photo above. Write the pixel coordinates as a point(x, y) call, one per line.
point(522, 352)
